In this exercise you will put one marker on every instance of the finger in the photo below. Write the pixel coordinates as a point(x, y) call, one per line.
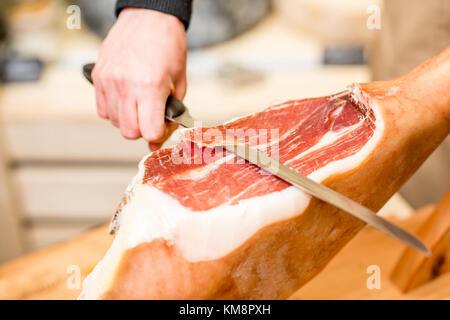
point(151, 109)
point(100, 99)
point(128, 119)
point(99, 94)
point(180, 88)
point(170, 128)
point(112, 98)
point(154, 146)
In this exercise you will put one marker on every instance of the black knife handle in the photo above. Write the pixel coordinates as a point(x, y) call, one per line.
point(174, 107)
point(87, 71)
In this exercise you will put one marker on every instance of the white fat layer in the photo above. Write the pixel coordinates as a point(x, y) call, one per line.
point(208, 235)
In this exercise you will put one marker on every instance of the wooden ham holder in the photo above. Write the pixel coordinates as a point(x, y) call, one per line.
point(413, 268)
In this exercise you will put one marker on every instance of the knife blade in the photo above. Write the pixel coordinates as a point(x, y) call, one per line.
point(327, 195)
point(177, 112)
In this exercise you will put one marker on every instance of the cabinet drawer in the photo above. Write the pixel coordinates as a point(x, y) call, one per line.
point(89, 140)
point(74, 193)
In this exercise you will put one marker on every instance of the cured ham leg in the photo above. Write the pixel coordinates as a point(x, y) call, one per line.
point(224, 229)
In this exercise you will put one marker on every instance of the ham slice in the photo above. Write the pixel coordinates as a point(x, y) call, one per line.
point(199, 223)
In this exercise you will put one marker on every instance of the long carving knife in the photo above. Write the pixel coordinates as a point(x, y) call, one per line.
point(176, 111)
point(326, 194)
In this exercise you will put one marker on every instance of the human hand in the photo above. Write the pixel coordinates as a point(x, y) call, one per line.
point(141, 62)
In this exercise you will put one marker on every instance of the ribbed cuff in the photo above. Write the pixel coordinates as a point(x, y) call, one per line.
point(179, 8)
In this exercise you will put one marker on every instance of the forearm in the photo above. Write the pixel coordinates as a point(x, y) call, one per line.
point(179, 8)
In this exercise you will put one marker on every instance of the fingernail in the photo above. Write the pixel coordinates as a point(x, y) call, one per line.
point(154, 146)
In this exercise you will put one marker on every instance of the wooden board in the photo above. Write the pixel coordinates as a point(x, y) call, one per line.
point(346, 276)
point(43, 275)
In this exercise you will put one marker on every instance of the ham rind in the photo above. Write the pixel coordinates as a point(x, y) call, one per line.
point(200, 223)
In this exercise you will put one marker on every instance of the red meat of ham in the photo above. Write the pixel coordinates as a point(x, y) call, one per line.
point(301, 126)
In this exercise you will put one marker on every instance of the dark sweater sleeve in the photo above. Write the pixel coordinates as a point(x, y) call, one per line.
point(179, 8)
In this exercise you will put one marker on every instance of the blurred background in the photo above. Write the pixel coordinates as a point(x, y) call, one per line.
point(63, 170)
